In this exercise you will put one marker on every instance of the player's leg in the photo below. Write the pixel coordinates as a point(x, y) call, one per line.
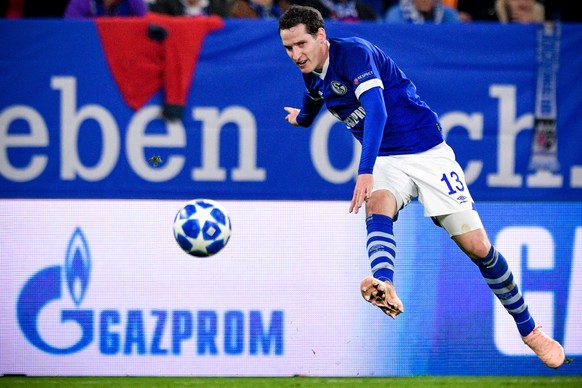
point(493, 268)
point(443, 191)
point(466, 230)
point(392, 191)
point(378, 289)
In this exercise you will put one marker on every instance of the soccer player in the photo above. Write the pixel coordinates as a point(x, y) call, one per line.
point(403, 156)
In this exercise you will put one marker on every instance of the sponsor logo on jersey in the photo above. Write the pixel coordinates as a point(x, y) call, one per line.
point(338, 88)
point(355, 117)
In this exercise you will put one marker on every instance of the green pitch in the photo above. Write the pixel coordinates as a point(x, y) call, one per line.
point(290, 382)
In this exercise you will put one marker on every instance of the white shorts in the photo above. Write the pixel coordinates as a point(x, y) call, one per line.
point(434, 176)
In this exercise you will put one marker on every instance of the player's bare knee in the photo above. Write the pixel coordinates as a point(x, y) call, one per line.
point(478, 249)
point(474, 244)
point(381, 202)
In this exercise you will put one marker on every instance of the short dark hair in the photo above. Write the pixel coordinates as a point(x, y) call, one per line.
point(299, 14)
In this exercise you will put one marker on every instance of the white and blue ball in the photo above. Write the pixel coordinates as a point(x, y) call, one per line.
point(202, 227)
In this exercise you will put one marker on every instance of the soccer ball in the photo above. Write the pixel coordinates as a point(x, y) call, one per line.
point(202, 227)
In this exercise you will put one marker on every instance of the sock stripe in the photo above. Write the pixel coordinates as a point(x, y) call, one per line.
point(490, 260)
point(382, 255)
point(509, 301)
point(380, 236)
point(382, 265)
point(381, 246)
point(498, 280)
point(381, 258)
point(505, 289)
point(519, 310)
point(386, 242)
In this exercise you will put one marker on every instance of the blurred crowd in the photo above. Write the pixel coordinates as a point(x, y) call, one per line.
point(388, 11)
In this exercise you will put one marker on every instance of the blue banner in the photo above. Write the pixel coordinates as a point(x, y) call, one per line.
point(66, 130)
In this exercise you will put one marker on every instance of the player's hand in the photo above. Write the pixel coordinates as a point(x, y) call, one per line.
point(362, 191)
point(292, 114)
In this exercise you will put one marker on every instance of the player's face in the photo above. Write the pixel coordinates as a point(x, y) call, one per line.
point(308, 52)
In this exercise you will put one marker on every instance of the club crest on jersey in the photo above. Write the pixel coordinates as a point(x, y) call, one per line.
point(338, 88)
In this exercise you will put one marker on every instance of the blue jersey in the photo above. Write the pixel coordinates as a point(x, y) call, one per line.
point(355, 66)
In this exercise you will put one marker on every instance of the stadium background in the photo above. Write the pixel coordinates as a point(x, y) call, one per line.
point(282, 299)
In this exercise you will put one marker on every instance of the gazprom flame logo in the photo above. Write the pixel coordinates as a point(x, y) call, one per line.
point(77, 266)
point(46, 286)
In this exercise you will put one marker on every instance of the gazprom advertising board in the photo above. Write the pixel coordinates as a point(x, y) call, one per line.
point(95, 287)
point(94, 283)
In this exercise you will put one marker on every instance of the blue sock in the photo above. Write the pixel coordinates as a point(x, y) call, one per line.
point(381, 246)
point(499, 278)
